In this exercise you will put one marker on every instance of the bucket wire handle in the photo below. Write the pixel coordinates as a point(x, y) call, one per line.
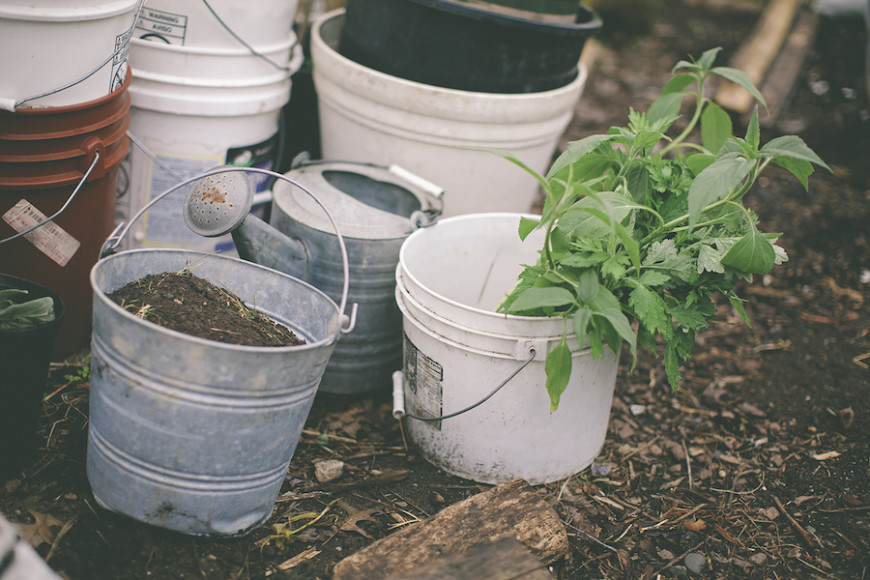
point(65, 205)
point(349, 321)
point(399, 394)
point(118, 50)
point(288, 68)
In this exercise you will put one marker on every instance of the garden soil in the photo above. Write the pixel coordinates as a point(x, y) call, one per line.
point(756, 468)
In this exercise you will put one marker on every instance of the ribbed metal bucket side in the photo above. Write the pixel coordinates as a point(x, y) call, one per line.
point(195, 435)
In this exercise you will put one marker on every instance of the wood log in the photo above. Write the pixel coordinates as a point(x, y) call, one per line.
point(756, 54)
point(511, 509)
point(780, 83)
point(505, 559)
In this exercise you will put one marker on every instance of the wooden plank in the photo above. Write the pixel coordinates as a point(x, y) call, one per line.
point(758, 52)
point(511, 509)
point(781, 80)
point(505, 559)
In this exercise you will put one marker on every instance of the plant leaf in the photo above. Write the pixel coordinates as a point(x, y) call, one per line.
point(741, 78)
point(587, 286)
point(527, 226)
point(798, 167)
point(791, 146)
point(558, 370)
point(716, 182)
point(575, 150)
point(753, 133)
point(534, 298)
point(716, 127)
point(752, 253)
point(650, 310)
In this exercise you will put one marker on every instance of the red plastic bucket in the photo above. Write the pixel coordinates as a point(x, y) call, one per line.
point(44, 154)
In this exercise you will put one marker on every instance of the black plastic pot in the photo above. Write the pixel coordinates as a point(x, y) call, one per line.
point(24, 358)
point(458, 46)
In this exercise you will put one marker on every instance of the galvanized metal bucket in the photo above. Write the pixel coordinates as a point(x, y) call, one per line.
point(376, 208)
point(195, 435)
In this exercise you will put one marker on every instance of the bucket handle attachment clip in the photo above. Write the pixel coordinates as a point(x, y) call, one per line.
point(399, 394)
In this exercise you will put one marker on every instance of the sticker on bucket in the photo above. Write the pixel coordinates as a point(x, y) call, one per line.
point(119, 61)
point(425, 378)
point(50, 238)
point(159, 25)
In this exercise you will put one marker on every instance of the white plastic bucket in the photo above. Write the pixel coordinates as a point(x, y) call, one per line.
point(191, 125)
point(47, 45)
point(450, 279)
point(373, 117)
point(190, 22)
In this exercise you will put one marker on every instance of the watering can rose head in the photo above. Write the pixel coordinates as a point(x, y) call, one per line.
point(642, 228)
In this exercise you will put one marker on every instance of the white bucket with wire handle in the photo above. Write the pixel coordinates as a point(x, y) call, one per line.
point(47, 46)
point(450, 279)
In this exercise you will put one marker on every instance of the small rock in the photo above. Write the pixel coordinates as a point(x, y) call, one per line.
point(759, 558)
point(695, 563)
point(679, 571)
point(328, 470)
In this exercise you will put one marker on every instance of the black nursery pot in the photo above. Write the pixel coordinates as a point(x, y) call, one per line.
point(458, 46)
point(24, 358)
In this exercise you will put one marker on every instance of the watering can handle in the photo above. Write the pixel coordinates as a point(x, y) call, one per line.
point(399, 394)
point(348, 321)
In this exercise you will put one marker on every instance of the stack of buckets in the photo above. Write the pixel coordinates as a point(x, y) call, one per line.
point(209, 82)
point(64, 110)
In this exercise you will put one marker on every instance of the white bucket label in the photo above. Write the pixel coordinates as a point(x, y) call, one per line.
point(119, 62)
point(50, 239)
point(425, 378)
point(159, 25)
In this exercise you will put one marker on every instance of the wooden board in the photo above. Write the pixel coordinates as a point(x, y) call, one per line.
point(505, 559)
point(758, 52)
point(509, 510)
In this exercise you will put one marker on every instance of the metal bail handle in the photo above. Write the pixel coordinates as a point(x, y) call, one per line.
point(399, 394)
point(348, 321)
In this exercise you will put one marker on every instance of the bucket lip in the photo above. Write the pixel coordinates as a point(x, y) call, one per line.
point(63, 147)
point(591, 23)
point(425, 90)
point(138, 43)
point(197, 257)
point(402, 270)
point(64, 15)
point(37, 110)
point(66, 171)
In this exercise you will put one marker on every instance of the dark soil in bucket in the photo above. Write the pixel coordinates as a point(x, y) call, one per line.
point(192, 305)
point(756, 468)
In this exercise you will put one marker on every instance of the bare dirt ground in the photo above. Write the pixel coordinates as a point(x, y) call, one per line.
point(757, 468)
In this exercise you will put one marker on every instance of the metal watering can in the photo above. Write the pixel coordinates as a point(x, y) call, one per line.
point(375, 207)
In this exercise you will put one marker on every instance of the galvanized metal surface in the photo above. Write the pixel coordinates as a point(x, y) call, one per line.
point(195, 435)
point(375, 209)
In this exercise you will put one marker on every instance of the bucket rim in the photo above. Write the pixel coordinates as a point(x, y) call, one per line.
point(39, 110)
point(222, 51)
point(402, 270)
point(198, 257)
point(65, 147)
point(64, 15)
point(319, 44)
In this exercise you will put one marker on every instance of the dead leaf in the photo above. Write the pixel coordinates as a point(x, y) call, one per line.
point(356, 516)
point(39, 532)
point(770, 513)
point(694, 525)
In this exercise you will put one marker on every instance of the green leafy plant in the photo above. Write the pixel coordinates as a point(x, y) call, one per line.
point(18, 313)
point(641, 229)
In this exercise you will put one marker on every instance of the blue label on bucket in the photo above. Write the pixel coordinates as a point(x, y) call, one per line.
point(425, 379)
